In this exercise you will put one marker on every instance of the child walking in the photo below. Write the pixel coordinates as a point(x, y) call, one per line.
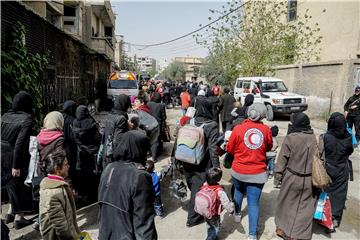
point(210, 201)
point(57, 205)
point(159, 210)
point(271, 156)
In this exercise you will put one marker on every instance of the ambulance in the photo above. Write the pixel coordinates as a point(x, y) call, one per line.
point(122, 82)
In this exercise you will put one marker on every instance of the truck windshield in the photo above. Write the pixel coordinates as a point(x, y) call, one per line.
point(122, 84)
point(273, 87)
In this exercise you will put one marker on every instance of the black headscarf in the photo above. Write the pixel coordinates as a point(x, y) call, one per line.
point(300, 122)
point(83, 118)
point(156, 97)
point(337, 126)
point(70, 107)
point(133, 147)
point(122, 103)
point(22, 102)
point(203, 109)
point(249, 99)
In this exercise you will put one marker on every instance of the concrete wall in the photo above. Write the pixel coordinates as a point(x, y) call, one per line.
point(339, 23)
point(322, 83)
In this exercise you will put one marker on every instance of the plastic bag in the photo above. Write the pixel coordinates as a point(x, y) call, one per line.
point(84, 236)
point(326, 220)
point(318, 215)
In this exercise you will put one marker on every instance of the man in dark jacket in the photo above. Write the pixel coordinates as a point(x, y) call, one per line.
point(195, 174)
point(87, 138)
point(227, 104)
point(16, 128)
point(352, 112)
point(127, 207)
point(157, 110)
point(69, 110)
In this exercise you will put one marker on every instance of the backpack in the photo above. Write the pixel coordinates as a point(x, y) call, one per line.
point(190, 144)
point(207, 202)
point(148, 121)
point(109, 132)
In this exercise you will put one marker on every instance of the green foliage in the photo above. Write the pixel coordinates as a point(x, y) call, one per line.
point(20, 70)
point(128, 64)
point(152, 73)
point(175, 72)
point(252, 40)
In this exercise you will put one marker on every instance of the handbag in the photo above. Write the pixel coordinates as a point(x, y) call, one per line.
point(320, 178)
point(165, 133)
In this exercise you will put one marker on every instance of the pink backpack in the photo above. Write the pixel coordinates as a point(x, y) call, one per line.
point(207, 202)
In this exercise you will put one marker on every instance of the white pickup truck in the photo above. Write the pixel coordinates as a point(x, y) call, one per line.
point(272, 92)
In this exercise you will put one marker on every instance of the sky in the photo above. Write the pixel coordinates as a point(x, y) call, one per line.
point(149, 22)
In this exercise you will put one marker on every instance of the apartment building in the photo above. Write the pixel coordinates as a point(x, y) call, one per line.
point(91, 22)
point(119, 50)
point(193, 65)
point(146, 64)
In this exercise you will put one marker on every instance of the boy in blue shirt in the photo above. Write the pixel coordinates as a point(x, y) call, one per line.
point(159, 210)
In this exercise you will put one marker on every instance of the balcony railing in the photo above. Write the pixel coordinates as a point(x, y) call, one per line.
point(103, 45)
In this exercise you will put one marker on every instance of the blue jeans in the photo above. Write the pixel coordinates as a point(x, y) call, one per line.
point(213, 227)
point(253, 193)
point(271, 164)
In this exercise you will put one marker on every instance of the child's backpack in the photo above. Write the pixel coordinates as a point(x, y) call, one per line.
point(190, 144)
point(207, 202)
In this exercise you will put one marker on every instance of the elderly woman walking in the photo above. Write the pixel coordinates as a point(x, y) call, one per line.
point(338, 147)
point(297, 199)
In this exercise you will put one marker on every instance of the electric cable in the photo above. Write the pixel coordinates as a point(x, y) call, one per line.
point(190, 33)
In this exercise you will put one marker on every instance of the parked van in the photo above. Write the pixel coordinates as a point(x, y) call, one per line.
point(272, 92)
point(122, 82)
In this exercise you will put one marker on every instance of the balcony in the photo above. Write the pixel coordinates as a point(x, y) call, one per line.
point(104, 46)
point(103, 10)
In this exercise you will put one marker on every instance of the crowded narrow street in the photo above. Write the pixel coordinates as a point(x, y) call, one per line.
point(172, 226)
point(194, 119)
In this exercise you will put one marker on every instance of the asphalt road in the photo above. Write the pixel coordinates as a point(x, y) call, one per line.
point(172, 226)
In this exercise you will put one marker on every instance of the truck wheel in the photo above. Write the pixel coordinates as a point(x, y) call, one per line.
point(269, 113)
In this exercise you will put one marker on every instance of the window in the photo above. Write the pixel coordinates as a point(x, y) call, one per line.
point(292, 10)
point(122, 84)
point(71, 23)
point(69, 11)
point(239, 84)
point(273, 87)
point(108, 31)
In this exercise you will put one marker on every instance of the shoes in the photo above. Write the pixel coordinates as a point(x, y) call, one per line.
point(197, 222)
point(18, 224)
point(251, 237)
point(328, 231)
point(159, 211)
point(237, 217)
point(9, 218)
point(336, 223)
point(36, 226)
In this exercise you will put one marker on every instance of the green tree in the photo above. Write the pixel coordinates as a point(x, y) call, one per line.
point(152, 72)
point(128, 64)
point(255, 38)
point(175, 72)
point(20, 70)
